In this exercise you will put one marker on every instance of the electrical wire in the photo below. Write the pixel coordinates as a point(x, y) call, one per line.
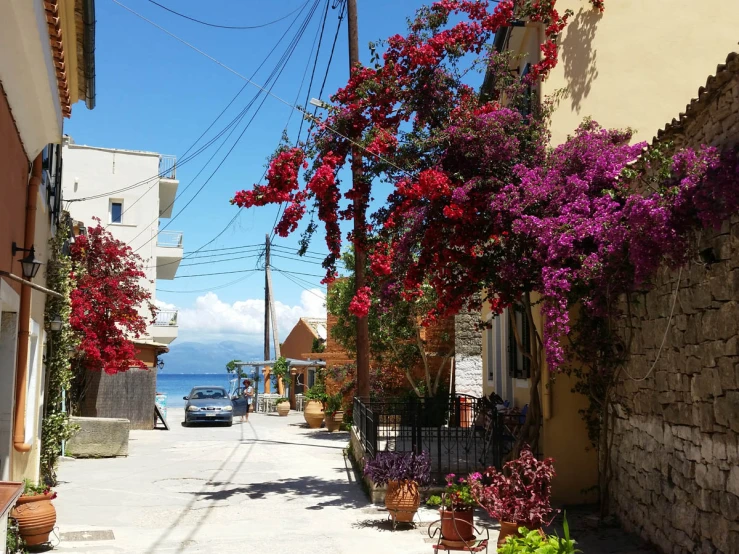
point(227, 26)
point(220, 261)
point(183, 159)
point(296, 272)
point(322, 297)
point(262, 88)
point(216, 273)
point(320, 93)
point(273, 78)
point(209, 289)
point(295, 259)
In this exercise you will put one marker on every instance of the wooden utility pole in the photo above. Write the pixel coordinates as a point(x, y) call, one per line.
point(266, 300)
point(360, 223)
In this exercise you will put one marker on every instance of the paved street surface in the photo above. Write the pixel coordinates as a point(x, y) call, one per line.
point(267, 486)
point(271, 485)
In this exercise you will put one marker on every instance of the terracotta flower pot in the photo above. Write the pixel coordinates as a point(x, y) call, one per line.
point(456, 526)
point(283, 408)
point(36, 518)
point(506, 530)
point(313, 413)
point(333, 421)
point(402, 500)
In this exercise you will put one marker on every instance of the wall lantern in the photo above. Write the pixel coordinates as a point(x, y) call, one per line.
point(56, 323)
point(29, 263)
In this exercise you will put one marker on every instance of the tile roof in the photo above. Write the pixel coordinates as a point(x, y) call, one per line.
point(724, 73)
point(56, 41)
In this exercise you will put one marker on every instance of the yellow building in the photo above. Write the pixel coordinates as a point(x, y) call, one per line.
point(631, 66)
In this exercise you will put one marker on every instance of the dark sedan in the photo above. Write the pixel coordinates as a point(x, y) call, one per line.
point(208, 405)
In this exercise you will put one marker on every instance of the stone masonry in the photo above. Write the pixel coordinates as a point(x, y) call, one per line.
point(467, 354)
point(675, 452)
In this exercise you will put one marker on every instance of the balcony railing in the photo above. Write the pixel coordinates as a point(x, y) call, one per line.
point(170, 239)
point(166, 318)
point(168, 167)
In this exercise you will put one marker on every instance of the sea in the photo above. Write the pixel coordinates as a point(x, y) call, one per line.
point(177, 385)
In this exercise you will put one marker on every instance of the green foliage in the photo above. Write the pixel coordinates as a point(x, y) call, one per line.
point(281, 371)
point(32, 489)
point(55, 426)
point(532, 542)
point(318, 390)
point(319, 346)
point(281, 399)
point(231, 366)
point(394, 332)
point(333, 403)
point(14, 542)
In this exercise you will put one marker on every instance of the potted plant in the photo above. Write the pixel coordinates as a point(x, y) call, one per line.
point(534, 541)
point(519, 496)
point(315, 398)
point(282, 405)
point(334, 413)
point(35, 513)
point(402, 472)
point(456, 510)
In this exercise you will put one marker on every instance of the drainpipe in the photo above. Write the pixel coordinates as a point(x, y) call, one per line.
point(88, 47)
point(24, 317)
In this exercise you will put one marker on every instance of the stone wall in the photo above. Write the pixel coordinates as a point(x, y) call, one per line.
point(675, 451)
point(467, 354)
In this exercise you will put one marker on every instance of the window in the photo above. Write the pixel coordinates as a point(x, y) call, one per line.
point(116, 212)
point(528, 97)
point(519, 366)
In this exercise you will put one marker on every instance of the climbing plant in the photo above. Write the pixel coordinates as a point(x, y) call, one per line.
point(55, 426)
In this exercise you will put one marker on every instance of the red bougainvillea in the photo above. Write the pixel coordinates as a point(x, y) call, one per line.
point(415, 81)
point(106, 300)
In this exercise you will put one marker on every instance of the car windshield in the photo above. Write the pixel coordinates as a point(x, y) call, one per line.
point(201, 394)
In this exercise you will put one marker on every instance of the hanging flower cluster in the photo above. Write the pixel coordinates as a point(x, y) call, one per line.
point(105, 302)
point(415, 81)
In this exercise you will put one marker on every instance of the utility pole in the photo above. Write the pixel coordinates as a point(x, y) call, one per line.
point(266, 300)
point(360, 223)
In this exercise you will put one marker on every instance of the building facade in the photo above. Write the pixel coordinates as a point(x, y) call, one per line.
point(47, 65)
point(131, 193)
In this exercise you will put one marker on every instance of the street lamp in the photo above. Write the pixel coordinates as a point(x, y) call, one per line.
point(56, 323)
point(29, 263)
point(319, 103)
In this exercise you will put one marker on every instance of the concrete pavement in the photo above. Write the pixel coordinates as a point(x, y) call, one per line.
point(270, 485)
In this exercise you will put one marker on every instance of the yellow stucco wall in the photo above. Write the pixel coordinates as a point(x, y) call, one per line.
point(638, 64)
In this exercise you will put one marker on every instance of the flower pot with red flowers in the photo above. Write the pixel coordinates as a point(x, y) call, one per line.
point(35, 514)
point(403, 473)
point(519, 496)
point(456, 511)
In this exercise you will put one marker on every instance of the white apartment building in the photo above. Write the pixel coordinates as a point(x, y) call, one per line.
point(130, 192)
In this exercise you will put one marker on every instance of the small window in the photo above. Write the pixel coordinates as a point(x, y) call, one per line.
point(519, 366)
point(116, 212)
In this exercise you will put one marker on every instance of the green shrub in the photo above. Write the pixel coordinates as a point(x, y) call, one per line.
point(532, 542)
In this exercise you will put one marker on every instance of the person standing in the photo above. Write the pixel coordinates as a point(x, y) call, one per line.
point(249, 395)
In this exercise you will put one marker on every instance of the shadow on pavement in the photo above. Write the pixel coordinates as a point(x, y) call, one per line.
point(331, 493)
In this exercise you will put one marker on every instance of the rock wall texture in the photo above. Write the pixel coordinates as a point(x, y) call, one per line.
point(675, 452)
point(467, 354)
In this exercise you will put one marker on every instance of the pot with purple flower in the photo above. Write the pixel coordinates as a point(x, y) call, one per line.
point(402, 472)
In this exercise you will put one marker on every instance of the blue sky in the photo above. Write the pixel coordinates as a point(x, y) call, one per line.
point(156, 94)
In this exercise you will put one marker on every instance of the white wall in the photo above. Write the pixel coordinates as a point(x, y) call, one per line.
point(89, 171)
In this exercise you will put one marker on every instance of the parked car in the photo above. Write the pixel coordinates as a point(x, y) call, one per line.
point(208, 404)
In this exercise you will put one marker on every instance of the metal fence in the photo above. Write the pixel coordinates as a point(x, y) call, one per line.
point(168, 166)
point(169, 239)
point(462, 434)
point(166, 318)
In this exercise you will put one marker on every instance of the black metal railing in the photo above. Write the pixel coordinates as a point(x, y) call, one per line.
point(462, 434)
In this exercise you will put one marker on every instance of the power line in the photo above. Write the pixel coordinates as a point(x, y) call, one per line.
point(227, 26)
point(182, 159)
point(273, 78)
point(313, 72)
point(296, 259)
point(220, 261)
point(216, 273)
point(297, 272)
point(260, 87)
point(318, 255)
point(322, 297)
point(209, 289)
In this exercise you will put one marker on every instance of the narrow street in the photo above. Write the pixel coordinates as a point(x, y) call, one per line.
point(270, 485)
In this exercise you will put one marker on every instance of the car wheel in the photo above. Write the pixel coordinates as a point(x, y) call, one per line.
point(229, 423)
point(186, 423)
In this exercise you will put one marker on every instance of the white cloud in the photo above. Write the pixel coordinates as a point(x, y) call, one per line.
point(164, 305)
point(211, 319)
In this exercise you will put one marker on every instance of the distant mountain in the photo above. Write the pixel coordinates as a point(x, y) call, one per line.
point(206, 357)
